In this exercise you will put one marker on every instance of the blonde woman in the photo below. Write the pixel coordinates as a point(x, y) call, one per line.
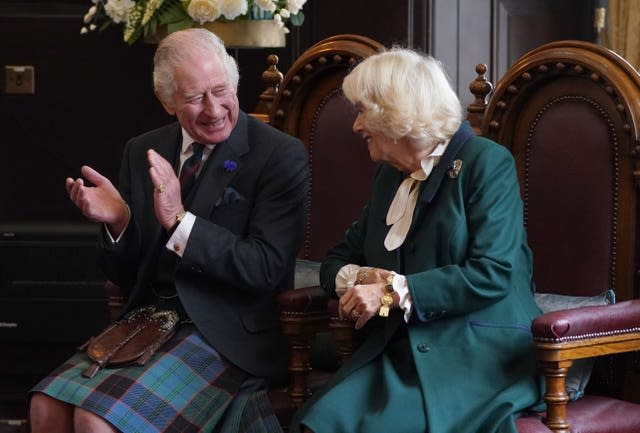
point(436, 269)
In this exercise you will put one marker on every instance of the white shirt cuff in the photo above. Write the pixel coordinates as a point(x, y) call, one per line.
point(178, 240)
point(402, 289)
point(113, 241)
point(346, 278)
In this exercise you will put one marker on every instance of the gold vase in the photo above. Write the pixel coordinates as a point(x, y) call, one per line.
point(237, 34)
point(248, 33)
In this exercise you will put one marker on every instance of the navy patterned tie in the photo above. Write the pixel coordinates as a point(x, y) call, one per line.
point(190, 169)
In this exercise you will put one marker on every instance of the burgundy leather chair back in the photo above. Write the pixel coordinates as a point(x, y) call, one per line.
point(569, 113)
point(569, 182)
point(309, 105)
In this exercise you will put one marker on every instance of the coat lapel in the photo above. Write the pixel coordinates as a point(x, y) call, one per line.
point(435, 179)
point(215, 176)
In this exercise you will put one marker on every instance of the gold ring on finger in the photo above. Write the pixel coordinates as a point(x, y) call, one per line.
point(159, 189)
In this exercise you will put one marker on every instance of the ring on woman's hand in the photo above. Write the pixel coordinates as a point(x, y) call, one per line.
point(355, 314)
point(362, 278)
point(159, 189)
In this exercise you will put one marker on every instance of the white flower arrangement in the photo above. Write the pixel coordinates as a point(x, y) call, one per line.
point(146, 17)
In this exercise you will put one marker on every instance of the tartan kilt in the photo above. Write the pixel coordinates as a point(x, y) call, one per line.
point(185, 387)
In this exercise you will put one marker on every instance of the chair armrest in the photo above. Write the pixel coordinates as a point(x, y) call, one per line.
point(343, 332)
point(560, 337)
point(303, 313)
point(588, 331)
point(304, 300)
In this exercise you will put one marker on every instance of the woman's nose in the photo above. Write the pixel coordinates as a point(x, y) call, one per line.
point(357, 124)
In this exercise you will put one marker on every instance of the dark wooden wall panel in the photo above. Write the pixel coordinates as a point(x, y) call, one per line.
point(377, 19)
point(91, 94)
point(522, 26)
point(497, 32)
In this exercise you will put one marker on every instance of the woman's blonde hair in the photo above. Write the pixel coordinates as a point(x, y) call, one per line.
point(403, 93)
point(178, 49)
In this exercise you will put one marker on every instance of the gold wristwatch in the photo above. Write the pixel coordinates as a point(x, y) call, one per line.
point(387, 298)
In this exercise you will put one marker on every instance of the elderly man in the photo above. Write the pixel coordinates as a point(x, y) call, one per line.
point(206, 222)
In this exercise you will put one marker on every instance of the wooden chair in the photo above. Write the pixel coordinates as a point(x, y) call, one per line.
point(307, 103)
point(569, 111)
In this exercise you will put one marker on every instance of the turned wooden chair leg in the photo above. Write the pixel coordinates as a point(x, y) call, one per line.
point(556, 397)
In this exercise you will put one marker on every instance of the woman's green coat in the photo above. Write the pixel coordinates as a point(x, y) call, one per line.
point(469, 272)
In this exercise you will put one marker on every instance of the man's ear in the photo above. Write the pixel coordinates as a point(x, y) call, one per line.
point(169, 106)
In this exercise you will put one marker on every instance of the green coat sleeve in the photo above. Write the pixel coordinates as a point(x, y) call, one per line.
point(486, 255)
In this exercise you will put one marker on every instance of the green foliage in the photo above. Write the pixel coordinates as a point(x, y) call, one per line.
point(297, 19)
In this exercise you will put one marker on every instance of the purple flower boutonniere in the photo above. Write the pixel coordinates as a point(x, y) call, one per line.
point(230, 166)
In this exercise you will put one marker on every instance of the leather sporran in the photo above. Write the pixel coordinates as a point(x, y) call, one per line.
point(131, 340)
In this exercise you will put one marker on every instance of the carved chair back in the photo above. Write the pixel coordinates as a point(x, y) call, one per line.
point(569, 111)
point(309, 105)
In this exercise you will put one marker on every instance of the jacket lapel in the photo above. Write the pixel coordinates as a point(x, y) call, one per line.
point(439, 171)
point(215, 176)
point(435, 179)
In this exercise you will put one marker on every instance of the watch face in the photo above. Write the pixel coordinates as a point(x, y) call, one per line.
point(387, 299)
